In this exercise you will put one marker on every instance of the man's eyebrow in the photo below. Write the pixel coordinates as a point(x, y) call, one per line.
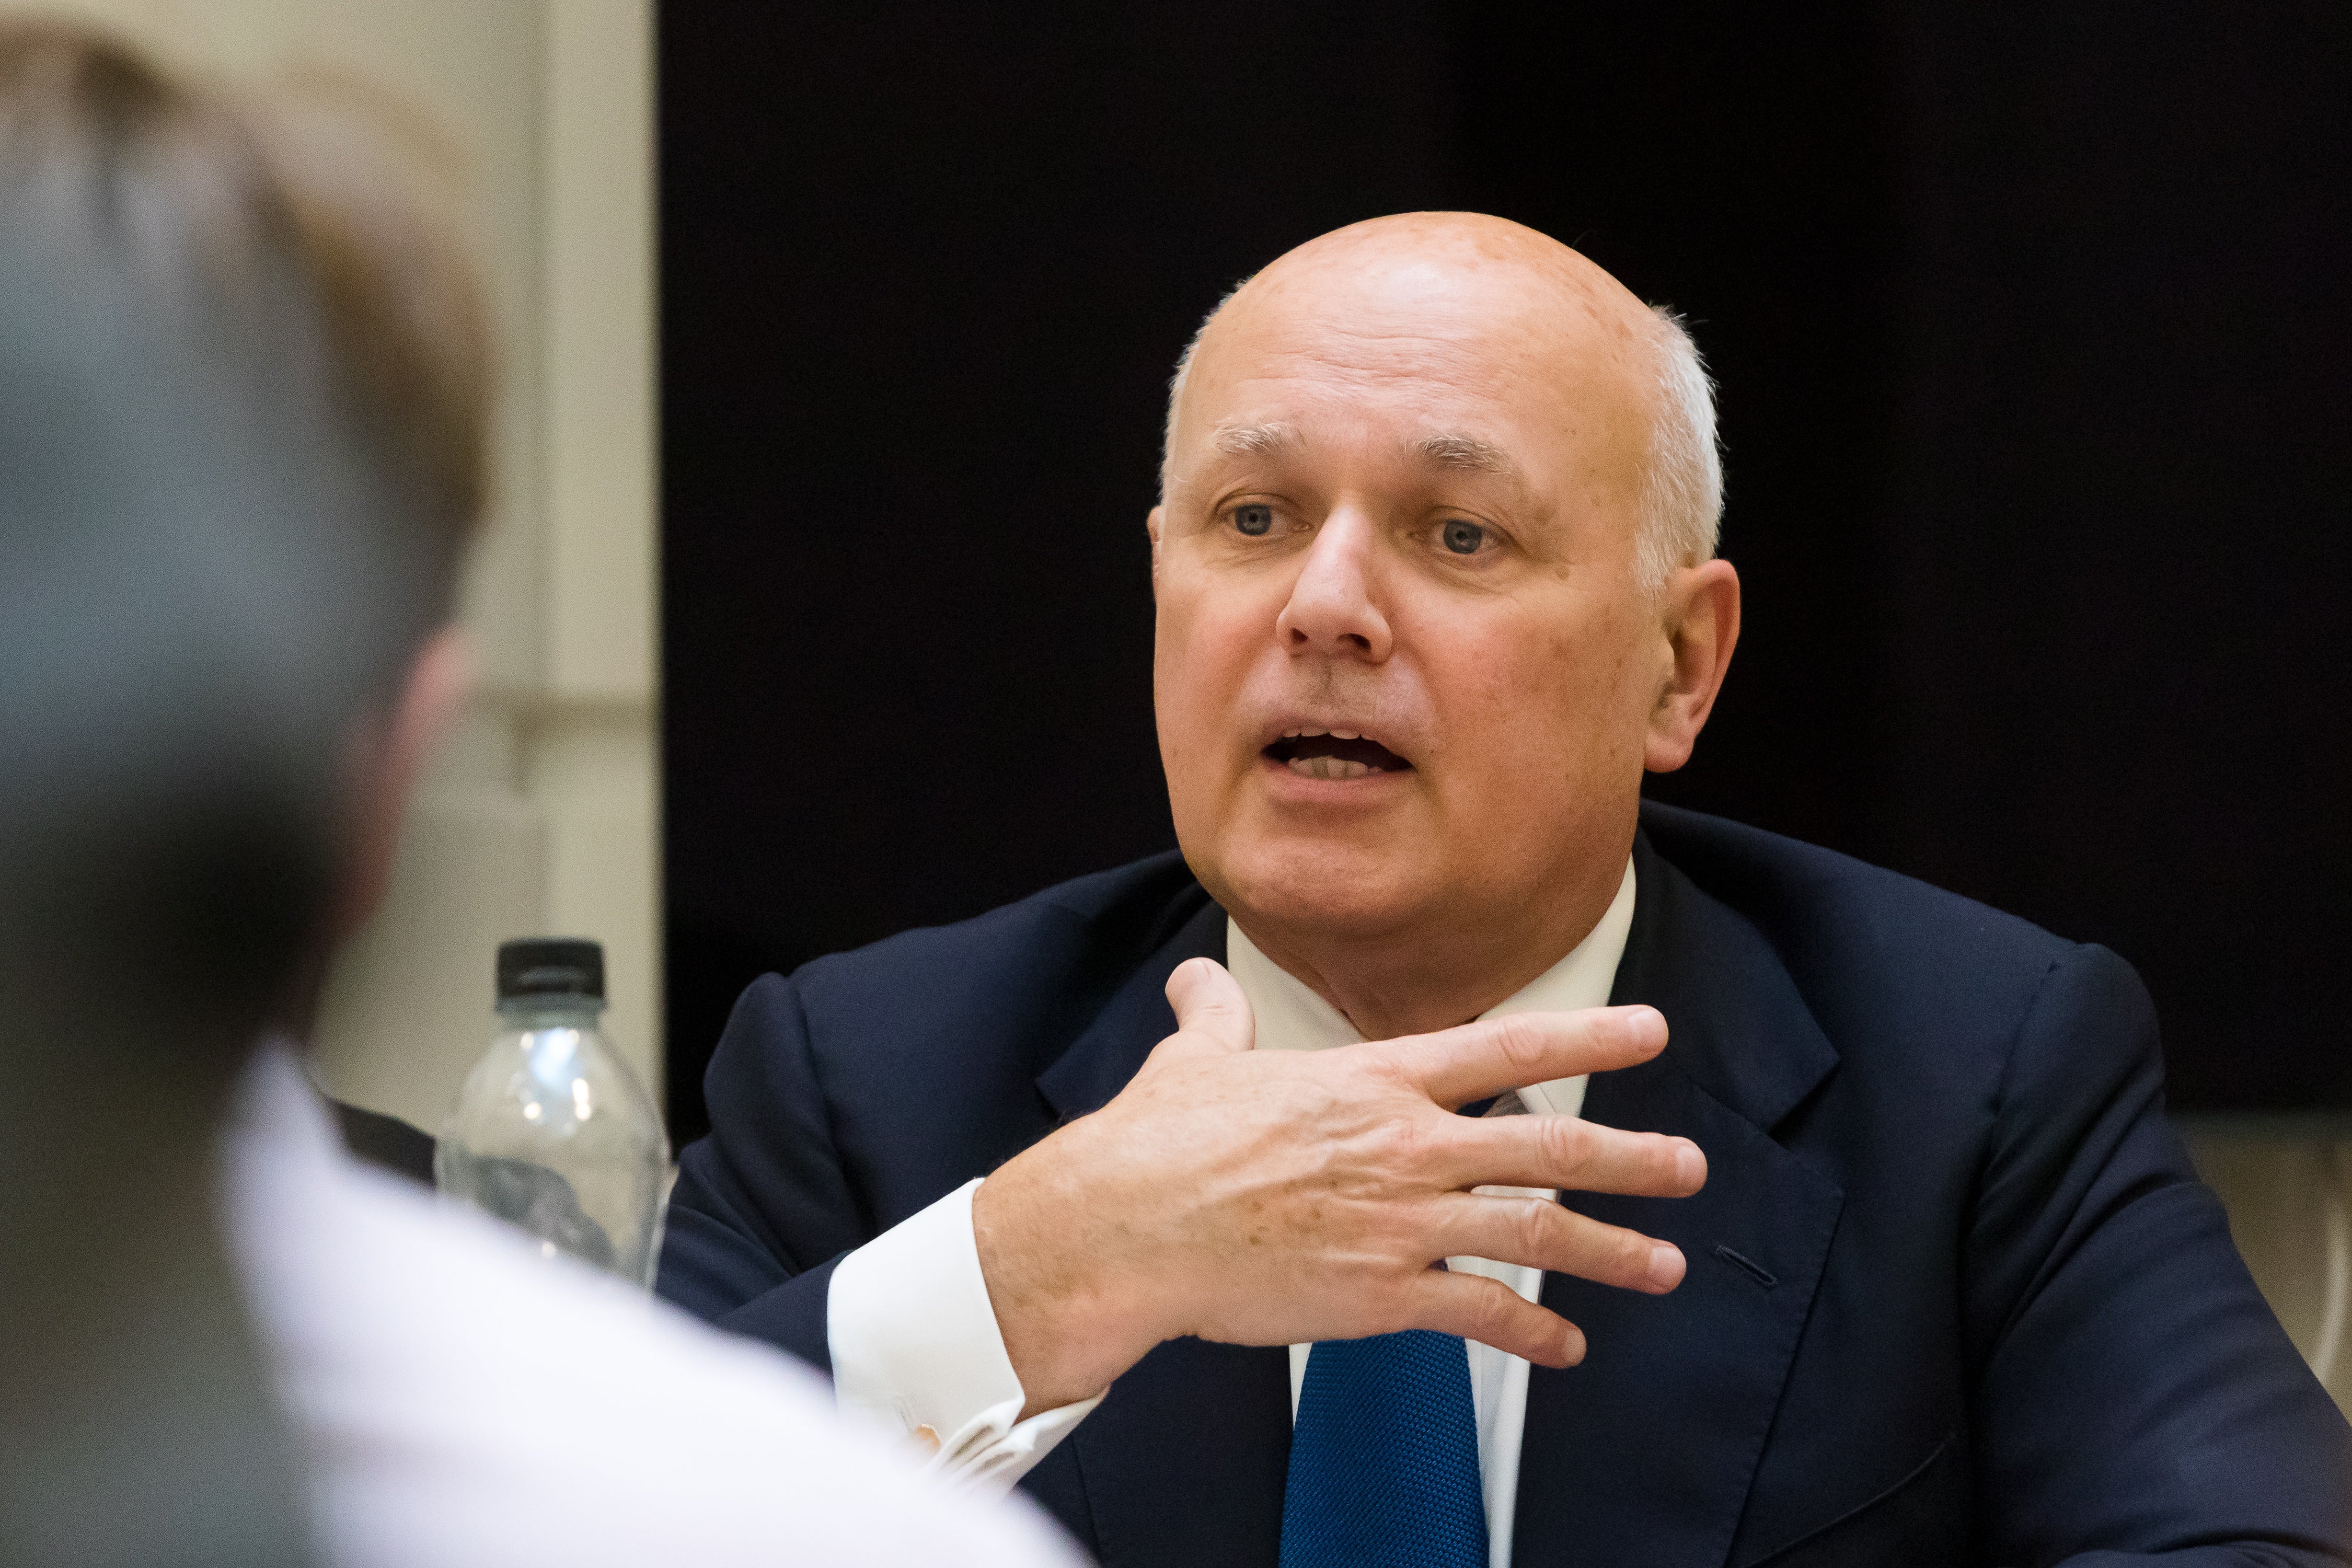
point(1253, 440)
point(1440, 449)
point(1451, 449)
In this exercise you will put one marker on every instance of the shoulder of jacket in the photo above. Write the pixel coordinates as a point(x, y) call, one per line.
point(1808, 898)
point(1106, 920)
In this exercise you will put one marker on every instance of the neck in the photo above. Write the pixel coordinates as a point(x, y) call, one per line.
point(1444, 968)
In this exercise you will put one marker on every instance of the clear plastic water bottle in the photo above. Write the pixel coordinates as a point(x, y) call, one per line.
point(552, 1131)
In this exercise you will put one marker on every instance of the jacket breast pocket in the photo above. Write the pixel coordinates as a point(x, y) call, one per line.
point(1923, 1520)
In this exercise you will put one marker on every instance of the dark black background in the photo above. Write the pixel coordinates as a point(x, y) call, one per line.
point(2030, 322)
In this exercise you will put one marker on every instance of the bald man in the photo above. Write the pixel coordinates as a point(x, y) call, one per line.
point(1449, 1160)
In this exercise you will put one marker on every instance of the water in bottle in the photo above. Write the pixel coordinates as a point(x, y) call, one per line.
point(552, 1131)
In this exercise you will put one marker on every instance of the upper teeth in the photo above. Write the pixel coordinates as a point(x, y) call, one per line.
point(1335, 734)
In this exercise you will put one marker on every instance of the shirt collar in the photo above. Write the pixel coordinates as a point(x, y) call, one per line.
point(1292, 1018)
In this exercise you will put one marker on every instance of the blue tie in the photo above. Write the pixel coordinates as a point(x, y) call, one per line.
point(1384, 1458)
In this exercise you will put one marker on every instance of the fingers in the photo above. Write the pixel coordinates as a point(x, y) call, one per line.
point(1573, 1154)
point(1455, 1066)
point(1210, 1007)
point(1492, 1313)
point(1540, 1234)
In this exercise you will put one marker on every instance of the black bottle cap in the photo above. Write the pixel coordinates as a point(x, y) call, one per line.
point(550, 967)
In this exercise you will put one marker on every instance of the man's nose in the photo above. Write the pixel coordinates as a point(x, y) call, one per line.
point(1333, 607)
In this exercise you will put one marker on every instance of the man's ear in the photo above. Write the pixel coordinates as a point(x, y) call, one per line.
point(1156, 525)
point(385, 754)
point(1701, 611)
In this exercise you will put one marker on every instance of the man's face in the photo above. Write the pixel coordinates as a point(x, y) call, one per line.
point(1404, 669)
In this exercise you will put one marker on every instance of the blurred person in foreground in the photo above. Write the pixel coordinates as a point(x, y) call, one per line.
point(244, 394)
point(1805, 1213)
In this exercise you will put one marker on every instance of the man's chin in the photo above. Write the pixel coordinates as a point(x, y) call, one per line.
point(1318, 887)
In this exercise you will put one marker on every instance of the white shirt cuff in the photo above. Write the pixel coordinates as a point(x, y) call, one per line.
point(916, 1346)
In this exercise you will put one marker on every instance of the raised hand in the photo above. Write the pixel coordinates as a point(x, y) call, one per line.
point(1287, 1196)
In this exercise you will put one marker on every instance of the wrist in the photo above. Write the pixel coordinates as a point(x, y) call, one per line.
point(1069, 1315)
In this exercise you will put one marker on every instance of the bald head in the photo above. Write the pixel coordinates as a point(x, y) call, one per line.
point(1483, 296)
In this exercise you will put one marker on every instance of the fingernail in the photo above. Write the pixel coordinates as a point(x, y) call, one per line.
point(1690, 1167)
point(1571, 1346)
point(1665, 1265)
point(1648, 1027)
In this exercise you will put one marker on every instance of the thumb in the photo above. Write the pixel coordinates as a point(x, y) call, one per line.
point(1210, 1007)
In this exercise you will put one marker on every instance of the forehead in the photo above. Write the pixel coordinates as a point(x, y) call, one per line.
point(1488, 353)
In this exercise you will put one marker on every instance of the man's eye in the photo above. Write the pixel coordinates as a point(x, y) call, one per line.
point(1463, 538)
point(1255, 521)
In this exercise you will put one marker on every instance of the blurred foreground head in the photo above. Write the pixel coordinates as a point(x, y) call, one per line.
point(243, 387)
point(242, 395)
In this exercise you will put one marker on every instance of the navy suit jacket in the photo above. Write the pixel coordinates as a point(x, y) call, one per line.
point(1955, 1294)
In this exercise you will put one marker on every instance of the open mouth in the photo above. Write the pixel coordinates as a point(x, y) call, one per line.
point(1334, 754)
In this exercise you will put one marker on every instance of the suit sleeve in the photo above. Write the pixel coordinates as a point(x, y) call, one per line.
point(762, 1210)
point(2136, 1399)
point(767, 1236)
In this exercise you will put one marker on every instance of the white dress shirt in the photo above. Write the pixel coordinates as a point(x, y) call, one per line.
point(461, 1401)
point(915, 1344)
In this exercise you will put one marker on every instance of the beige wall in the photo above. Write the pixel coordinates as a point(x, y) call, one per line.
point(540, 816)
point(2288, 1188)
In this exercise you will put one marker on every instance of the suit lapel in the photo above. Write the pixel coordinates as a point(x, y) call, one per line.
point(1184, 1463)
point(1645, 1452)
point(1110, 1051)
